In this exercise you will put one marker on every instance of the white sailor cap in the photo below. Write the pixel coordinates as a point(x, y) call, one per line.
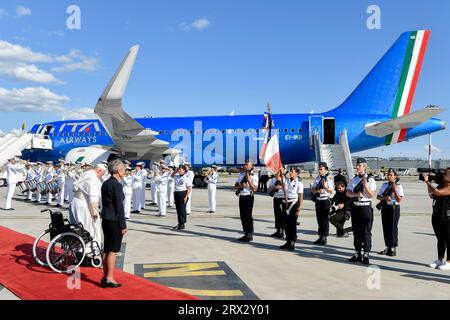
point(13, 158)
point(61, 160)
point(188, 164)
point(38, 163)
point(214, 166)
point(102, 166)
point(128, 168)
point(126, 162)
point(163, 166)
point(140, 164)
point(104, 162)
point(49, 162)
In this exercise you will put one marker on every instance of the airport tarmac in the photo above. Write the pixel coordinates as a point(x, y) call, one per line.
point(207, 261)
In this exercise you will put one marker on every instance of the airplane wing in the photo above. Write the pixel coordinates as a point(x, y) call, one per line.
point(131, 139)
point(407, 121)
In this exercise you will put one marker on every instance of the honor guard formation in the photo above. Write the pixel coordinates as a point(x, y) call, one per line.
point(347, 205)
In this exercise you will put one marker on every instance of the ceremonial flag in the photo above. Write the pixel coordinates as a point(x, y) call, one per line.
point(272, 157)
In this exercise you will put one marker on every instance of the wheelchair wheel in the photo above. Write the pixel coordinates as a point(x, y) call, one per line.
point(65, 252)
point(39, 250)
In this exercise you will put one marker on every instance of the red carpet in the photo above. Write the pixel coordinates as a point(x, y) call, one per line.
point(29, 281)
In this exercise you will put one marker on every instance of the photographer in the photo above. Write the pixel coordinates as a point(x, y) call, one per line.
point(441, 217)
point(391, 194)
point(339, 206)
point(361, 190)
point(246, 185)
point(322, 190)
point(276, 191)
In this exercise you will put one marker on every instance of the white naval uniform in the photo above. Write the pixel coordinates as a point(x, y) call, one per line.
point(170, 191)
point(70, 180)
point(61, 180)
point(136, 187)
point(190, 176)
point(39, 178)
point(212, 187)
point(161, 186)
point(144, 184)
point(294, 187)
point(127, 182)
point(11, 180)
point(153, 189)
point(30, 177)
point(48, 178)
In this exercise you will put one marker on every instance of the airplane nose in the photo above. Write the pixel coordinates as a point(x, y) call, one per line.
point(443, 125)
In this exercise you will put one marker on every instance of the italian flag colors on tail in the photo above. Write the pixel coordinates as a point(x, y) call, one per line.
point(410, 74)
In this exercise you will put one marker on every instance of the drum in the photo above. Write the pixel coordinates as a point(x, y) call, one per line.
point(31, 185)
point(53, 187)
point(42, 187)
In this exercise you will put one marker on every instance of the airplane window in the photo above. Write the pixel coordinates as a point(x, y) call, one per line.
point(223, 131)
point(292, 130)
point(299, 130)
point(284, 130)
point(190, 131)
point(172, 131)
point(217, 131)
point(278, 130)
point(100, 133)
point(243, 130)
point(166, 132)
point(160, 132)
point(257, 130)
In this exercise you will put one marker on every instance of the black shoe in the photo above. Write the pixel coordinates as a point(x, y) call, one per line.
point(355, 258)
point(385, 251)
point(177, 227)
point(365, 259)
point(181, 227)
point(321, 241)
point(392, 252)
point(108, 284)
point(246, 238)
point(342, 235)
point(279, 235)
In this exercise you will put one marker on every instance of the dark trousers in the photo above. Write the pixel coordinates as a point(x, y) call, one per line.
point(278, 210)
point(181, 206)
point(245, 211)
point(338, 220)
point(362, 221)
point(390, 215)
point(290, 221)
point(442, 231)
point(323, 216)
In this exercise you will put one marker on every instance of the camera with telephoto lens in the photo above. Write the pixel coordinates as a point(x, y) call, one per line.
point(436, 175)
point(277, 183)
point(244, 180)
point(334, 209)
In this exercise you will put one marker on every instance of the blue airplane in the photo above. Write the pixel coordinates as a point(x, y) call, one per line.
point(377, 113)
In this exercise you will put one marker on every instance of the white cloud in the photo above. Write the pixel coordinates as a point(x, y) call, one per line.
point(22, 11)
point(78, 113)
point(74, 61)
point(199, 24)
point(15, 52)
point(31, 99)
point(27, 72)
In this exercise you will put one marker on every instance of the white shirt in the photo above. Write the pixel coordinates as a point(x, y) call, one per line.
point(372, 187)
point(294, 188)
point(191, 176)
point(394, 200)
point(212, 180)
point(61, 179)
point(324, 193)
point(49, 175)
point(30, 174)
point(127, 181)
point(137, 180)
point(182, 182)
point(248, 189)
point(161, 182)
point(278, 194)
point(12, 172)
point(38, 176)
point(144, 178)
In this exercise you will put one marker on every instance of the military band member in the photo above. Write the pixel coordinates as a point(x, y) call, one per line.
point(191, 176)
point(212, 180)
point(144, 185)
point(39, 177)
point(246, 185)
point(137, 187)
point(30, 179)
point(391, 194)
point(161, 180)
point(127, 182)
point(276, 189)
point(153, 199)
point(322, 190)
point(183, 188)
point(50, 174)
point(171, 188)
point(61, 180)
point(361, 189)
point(12, 172)
point(71, 178)
point(294, 194)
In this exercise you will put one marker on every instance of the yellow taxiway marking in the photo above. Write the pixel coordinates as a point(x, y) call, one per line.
point(183, 270)
point(211, 293)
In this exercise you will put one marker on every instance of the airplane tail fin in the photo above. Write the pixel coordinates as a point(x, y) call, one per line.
point(389, 87)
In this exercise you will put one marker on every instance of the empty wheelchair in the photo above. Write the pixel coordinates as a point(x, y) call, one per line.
point(69, 245)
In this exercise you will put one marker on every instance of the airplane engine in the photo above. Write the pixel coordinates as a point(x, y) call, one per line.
point(93, 155)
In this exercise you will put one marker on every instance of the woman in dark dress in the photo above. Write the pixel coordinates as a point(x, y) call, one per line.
point(113, 223)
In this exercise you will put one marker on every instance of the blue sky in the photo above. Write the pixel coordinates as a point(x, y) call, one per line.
point(212, 57)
